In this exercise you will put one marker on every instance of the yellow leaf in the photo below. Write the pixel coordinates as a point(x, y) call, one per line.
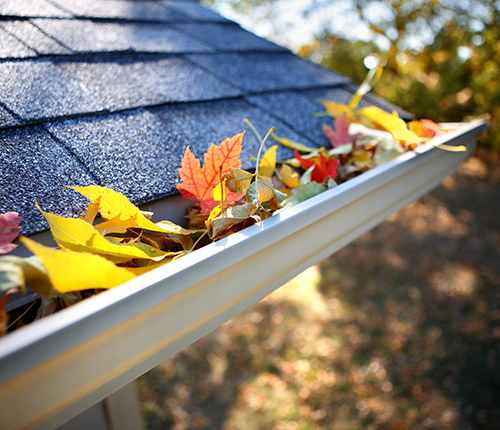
point(219, 192)
point(92, 210)
point(391, 123)
point(78, 235)
point(75, 271)
point(293, 145)
point(289, 177)
point(268, 162)
point(238, 180)
point(116, 225)
point(451, 148)
point(369, 82)
point(114, 203)
point(265, 191)
point(216, 211)
point(336, 109)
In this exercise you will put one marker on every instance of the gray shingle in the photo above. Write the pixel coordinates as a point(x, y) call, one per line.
point(34, 38)
point(89, 36)
point(6, 119)
point(296, 109)
point(42, 89)
point(129, 152)
point(38, 89)
point(116, 9)
point(194, 11)
point(256, 72)
point(33, 167)
point(138, 152)
point(31, 8)
point(123, 83)
point(11, 47)
point(228, 37)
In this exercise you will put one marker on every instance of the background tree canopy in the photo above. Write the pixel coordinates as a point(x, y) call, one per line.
point(441, 57)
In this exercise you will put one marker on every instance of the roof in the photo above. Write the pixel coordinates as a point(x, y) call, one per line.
point(111, 92)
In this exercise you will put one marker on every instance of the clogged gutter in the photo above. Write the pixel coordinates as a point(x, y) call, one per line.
point(95, 256)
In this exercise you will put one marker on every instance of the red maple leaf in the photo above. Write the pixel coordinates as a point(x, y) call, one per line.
point(340, 136)
point(325, 167)
point(198, 183)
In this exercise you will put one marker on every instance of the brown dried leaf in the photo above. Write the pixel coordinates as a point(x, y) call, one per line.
point(233, 219)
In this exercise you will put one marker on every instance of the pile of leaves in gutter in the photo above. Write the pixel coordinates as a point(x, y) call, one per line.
point(125, 243)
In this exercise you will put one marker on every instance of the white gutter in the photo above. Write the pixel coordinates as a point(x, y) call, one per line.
point(59, 366)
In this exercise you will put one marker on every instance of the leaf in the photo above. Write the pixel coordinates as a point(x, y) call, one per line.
point(219, 193)
point(265, 189)
point(305, 163)
point(325, 167)
point(198, 183)
point(342, 149)
point(459, 148)
point(268, 162)
point(386, 151)
point(293, 145)
point(391, 123)
point(78, 235)
point(340, 136)
point(241, 215)
point(9, 230)
point(75, 271)
point(179, 240)
point(337, 109)
point(368, 83)
point(266, 194)
point(238, 180)
point(19, 272)
point(424, 128)
point(116, 225)
point(289, 176)
point(216, 211)
point(92, 210)
point(113, 203)
point(302, 193)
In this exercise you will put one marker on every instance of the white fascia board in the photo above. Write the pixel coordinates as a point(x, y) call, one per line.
point(57, 367)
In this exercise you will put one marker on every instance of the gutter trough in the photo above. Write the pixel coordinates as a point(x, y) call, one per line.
point(57, 367)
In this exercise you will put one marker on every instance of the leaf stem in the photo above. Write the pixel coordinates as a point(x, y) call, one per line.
point(258, 162)
point(257, 134)
point(198, 240)
point(20, 316)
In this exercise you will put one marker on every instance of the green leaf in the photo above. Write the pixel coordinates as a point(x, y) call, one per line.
point(302, 193)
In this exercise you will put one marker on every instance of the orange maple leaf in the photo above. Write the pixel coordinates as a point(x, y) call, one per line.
point(198, 183)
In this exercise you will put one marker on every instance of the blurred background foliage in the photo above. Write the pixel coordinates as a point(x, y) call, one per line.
point(442, 58)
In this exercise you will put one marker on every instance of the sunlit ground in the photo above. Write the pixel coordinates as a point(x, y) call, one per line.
point(399, 330)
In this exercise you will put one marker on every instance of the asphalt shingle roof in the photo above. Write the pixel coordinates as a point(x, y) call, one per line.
point(110, 92)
